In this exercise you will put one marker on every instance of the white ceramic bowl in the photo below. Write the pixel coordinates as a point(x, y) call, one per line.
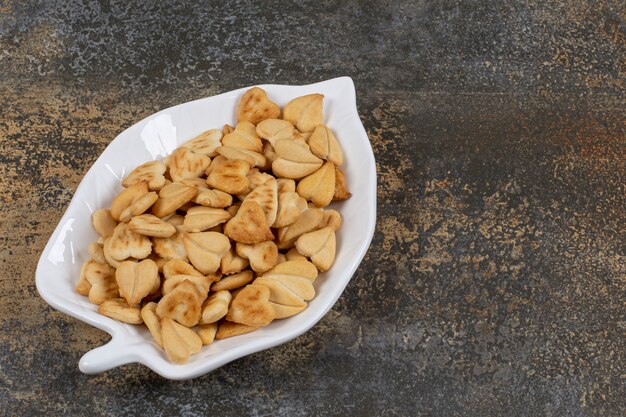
point(153, 138)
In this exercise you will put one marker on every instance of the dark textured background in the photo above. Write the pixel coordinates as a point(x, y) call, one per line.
point(495, 284)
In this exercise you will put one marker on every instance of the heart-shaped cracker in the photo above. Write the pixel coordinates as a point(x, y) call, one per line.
point(215, 307)
point(305, 112)
point(103, 222)
point(213, 198)
point(207, 332)
point(251, 306)
point(149, 225)
point(151, 172)
point(139, 206)
point(172, 197)
point(228, 329)
point(323, 143)
point(152, 321)
point(249, 225)
point(300, 268)
point(200, 218)
point(266, 196)
point(185, 163)
point(262, 256)
point(206, 250)
point(255, 159)
point(178, 267)
point(101, 278)
point(341, 187)
point(319, 246)
point(97, 281)
point(96, 252)
point(179, 342)
point(297, 276)
point(172, 247)
point(290, 206)
point(232, 282)
point(137, 279)
point(331, 219)
point(230, 176)
point(284, 300)
point(206, 143)
point(181, 304)
point(118, 309)
point(293, 160)
point(306, 222)
point(244, 137)
point(106, 251)
point(126, 198)
point(201, 282)
point(232, 263)
point(274, 130)
point(124, 244)
point(319, 187)
point(255, 107)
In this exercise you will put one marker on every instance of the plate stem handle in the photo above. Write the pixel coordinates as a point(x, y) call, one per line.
point(106, 357)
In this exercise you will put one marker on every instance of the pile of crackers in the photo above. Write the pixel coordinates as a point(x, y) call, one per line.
point(226, 234)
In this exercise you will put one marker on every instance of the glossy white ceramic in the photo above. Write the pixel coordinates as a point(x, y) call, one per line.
point(153, 138)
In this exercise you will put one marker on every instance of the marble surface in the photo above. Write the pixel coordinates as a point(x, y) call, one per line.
point(495, 284)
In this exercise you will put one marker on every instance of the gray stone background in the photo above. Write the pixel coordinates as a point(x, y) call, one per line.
point(495, 284)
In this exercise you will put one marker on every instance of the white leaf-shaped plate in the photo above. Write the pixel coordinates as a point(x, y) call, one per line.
point(153, 138)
